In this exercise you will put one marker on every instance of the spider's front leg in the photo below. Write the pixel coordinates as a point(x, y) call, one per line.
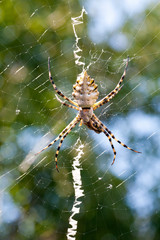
point(77, 119)
point(111, 134)
point(60, 135)
point(99, 126)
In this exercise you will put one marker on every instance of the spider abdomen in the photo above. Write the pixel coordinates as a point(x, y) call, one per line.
point(85, 91)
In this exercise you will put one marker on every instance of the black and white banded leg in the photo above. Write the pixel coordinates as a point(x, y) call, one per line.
point(61, 134)
point(63, 137)
point(114, 92)
point(55, 87)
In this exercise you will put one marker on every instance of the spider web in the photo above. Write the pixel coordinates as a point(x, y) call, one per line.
point(89, 198)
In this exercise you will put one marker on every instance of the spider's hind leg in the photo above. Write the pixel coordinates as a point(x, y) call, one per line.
point(115, 90)
point(55, 87)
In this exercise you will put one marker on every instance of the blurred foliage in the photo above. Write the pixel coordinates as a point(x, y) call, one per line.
point(30, 32)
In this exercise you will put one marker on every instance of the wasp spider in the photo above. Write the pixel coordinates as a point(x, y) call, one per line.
point(85, 93)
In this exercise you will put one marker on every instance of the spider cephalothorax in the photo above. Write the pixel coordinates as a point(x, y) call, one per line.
point(85, 93)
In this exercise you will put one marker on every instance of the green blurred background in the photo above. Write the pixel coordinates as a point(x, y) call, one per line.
point(120, 202)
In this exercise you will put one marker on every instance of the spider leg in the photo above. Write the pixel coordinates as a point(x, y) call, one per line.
point(124, 145)
point(63, 137)
point(55, 87)
point(108, 136)
point(110, 140)
point(59, 136)
point(114, 92)
point(65, 104)
point(110, 96)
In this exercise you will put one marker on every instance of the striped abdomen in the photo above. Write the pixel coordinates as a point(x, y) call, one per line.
point(85, 91)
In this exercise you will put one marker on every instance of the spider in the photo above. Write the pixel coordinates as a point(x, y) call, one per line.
point(85, 93)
